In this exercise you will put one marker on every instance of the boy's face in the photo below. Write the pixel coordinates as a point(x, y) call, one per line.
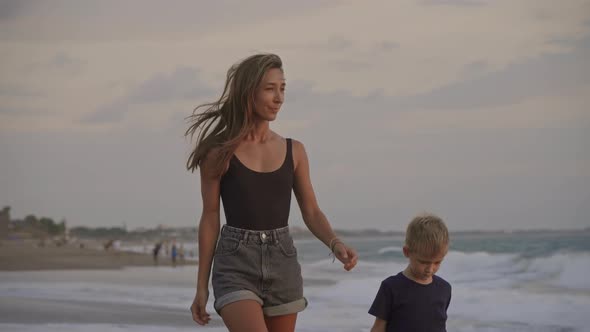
point(422, 267)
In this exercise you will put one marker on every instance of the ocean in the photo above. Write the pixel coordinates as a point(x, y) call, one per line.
point(521, 281)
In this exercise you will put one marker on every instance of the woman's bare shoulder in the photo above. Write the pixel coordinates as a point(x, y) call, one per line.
point(211, 157)
point(297, 146)
point(210, 162)
point(299, 154)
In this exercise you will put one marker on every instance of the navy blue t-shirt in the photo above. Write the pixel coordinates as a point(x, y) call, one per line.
point(408, 306)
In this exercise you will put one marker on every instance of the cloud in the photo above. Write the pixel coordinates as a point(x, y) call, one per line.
point(20, 111)
point(349, 65)
point(10, 9)
point(386, 46)
point(14, 90)
point(548, 74)
point(184, 83)
point(475, 68)
point(58, 64)
point(333, 44)
point(462, 3)
point(115, 20)
point(110, 113)
point(543, 76)
point(64, 61)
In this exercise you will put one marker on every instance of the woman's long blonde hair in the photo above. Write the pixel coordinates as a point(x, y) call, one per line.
point(224, 123)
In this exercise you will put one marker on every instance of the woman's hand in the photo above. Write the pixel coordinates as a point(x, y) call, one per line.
point(198, 308)
point(346, 255)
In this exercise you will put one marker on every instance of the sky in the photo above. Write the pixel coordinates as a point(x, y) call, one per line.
point(474, 110)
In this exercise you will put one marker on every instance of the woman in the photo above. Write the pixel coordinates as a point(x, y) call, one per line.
point(256, 276)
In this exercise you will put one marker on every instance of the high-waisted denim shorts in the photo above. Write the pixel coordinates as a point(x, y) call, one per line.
point(260, 266)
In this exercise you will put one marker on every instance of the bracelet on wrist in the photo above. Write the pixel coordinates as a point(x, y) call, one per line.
point(334, 242)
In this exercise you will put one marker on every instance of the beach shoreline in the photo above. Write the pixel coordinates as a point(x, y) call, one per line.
point(28, 256)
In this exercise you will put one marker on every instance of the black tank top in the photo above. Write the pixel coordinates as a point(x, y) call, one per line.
point(257, 200)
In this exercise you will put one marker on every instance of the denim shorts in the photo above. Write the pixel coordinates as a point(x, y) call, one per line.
point(260, 266)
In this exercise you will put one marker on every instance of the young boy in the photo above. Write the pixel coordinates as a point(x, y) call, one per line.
point(415, 299)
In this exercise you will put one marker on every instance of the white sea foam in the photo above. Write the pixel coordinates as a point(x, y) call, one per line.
point(565, 270)
point(519, 306)
point(389, 249)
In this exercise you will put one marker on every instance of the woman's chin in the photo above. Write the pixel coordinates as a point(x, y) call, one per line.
point(266, 116)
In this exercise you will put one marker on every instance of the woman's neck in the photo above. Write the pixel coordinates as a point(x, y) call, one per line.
point(260, 133)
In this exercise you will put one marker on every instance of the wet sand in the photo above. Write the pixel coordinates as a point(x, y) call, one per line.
point(112, 298)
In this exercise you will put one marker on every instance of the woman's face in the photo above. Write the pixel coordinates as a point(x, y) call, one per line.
point(270, 95)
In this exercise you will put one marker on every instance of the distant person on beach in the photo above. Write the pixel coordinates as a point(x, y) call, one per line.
point(174, 253)
point(156, 251)
point(181, 254)
point(256, 275)
point(108, 245)
point(416, 299)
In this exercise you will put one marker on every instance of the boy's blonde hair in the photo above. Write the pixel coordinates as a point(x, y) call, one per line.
point(427, 234)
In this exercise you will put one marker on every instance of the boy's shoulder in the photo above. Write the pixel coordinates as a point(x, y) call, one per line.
point(395, 280)
point(441, 282)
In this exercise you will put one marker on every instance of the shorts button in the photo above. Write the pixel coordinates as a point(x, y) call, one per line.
point(263, 235)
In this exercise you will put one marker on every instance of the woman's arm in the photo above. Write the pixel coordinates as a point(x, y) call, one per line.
point(208, 233)
point(314, 218)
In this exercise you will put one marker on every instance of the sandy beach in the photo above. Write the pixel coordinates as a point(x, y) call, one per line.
point(27, 255)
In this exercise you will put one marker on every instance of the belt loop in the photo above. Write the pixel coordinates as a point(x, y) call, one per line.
point(245, 237)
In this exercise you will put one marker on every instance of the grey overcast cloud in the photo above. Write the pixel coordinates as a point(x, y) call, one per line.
point(475, 110)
